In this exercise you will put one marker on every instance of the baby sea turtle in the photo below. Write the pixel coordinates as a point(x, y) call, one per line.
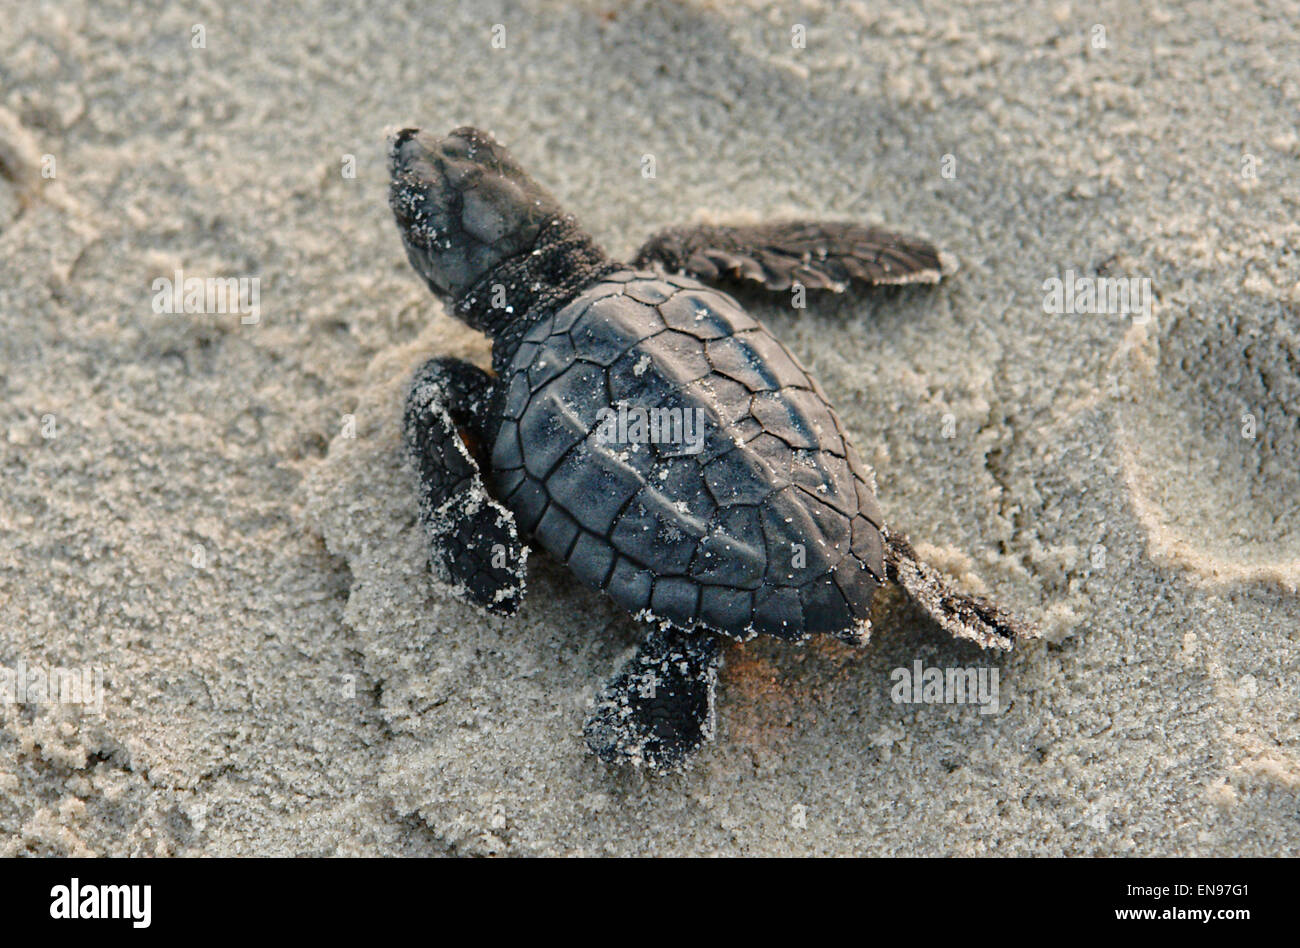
point(647, 431)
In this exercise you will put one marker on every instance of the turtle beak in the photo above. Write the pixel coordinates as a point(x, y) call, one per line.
point(412, 159)
point(426, 172)
point(420, 197)
point(398, 152)
point(465, 150)
point(419, 191)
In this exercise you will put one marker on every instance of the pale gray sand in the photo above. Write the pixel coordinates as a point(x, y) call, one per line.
point(311, 690)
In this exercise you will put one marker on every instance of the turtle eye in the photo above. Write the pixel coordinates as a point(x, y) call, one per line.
point(455, 147)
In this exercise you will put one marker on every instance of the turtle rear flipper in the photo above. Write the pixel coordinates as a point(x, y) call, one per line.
point(658, 709)
point(473, 540)
point(963, 615)
point(819, 255)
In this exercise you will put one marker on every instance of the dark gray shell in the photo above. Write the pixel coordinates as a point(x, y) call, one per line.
point(771, 527)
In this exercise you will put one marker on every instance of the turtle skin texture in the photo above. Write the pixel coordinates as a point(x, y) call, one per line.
point(764, 523)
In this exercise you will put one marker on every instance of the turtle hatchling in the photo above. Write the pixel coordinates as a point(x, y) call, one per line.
point(647, 431)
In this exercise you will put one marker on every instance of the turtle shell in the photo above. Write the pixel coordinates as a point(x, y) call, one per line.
point(660, 441)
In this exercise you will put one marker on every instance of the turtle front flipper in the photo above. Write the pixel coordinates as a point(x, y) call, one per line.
point(658, 709)
point(964, 616)
point(819, 255)
point(473, 540)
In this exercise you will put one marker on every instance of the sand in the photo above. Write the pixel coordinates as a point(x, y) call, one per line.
point(215, 513)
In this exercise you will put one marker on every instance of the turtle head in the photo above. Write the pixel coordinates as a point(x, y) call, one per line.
point(463, 206)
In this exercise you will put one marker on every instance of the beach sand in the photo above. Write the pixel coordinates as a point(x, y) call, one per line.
point(215, 512)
